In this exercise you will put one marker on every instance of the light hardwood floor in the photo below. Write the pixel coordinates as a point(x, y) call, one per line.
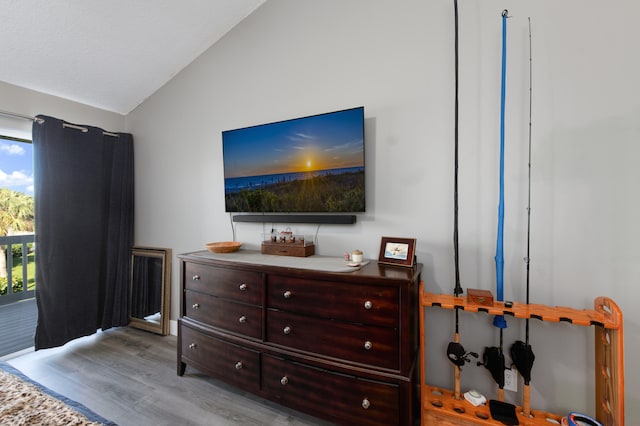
point(129, 376)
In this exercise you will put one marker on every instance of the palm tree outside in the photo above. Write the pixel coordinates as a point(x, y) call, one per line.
point(16, 193)
point(16, 214)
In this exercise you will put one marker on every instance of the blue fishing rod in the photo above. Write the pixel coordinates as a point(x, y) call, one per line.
point(498, 320)
point(493, 357)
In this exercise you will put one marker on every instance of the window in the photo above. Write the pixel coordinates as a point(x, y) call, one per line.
point(16, 218)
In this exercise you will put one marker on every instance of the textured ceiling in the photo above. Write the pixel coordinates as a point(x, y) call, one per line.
point(108, 54)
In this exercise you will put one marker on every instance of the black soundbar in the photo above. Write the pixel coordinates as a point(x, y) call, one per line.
point(339, 219)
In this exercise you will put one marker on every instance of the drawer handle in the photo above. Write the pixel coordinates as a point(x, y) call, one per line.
point(196, 306)
point(366, 404)
point(242, 319)
point(284, 380)
point(368, 345)
point(368, 305)
point(286, 330)
point(243, 287)
point(196, 277)
point(193, 346)
point(238, 365)
point(287, 294)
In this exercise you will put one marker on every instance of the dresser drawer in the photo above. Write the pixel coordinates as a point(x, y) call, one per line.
point(225, 361)
point(233, 284)
point(220, 313)
point(355, 343)
point(342, 399)
point(367, 304)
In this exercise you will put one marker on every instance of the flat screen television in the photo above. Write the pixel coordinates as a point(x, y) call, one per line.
point(311, 164)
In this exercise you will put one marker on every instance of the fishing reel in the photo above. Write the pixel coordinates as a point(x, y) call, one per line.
point(523, 358)
point(493, 360)
point(457, 355)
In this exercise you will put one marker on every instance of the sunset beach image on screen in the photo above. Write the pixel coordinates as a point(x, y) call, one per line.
point(307, 164)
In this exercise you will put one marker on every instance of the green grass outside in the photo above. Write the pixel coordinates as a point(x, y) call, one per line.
point(16, 274)
point(31, 269)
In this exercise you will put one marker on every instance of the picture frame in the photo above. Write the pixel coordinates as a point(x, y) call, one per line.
point(397, 251)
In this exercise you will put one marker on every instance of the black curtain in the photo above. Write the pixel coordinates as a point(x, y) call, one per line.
point(84, 230)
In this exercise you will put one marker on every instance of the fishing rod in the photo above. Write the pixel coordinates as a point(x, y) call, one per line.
point(499, 258)
point(455, 351)
point(521, 352)
point(457, 291)
point(493, 357)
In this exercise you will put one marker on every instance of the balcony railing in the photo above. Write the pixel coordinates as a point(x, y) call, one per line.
point(10, 295)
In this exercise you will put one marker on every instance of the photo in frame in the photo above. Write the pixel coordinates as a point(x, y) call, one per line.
point(397, 251)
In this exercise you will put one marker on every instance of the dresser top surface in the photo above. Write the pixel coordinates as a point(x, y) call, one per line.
point(311, 265)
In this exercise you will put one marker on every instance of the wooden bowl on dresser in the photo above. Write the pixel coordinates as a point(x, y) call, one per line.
point(224, 247)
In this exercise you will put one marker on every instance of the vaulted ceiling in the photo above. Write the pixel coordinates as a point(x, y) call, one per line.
point(109, 54)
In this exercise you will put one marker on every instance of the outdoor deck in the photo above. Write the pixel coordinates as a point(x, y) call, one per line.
point(17, 326)
point(18, 311)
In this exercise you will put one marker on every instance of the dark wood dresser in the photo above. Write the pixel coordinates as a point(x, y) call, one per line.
point(341, 346)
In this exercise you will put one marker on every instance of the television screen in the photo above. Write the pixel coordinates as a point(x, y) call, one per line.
point(310, 164)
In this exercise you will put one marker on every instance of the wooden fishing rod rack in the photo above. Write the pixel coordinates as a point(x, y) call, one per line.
point(441, 407)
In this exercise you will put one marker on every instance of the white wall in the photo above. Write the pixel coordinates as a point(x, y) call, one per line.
point(293, 58)
point(29, 102)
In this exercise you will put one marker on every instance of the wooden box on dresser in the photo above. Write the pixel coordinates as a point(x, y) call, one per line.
point(341, 346)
